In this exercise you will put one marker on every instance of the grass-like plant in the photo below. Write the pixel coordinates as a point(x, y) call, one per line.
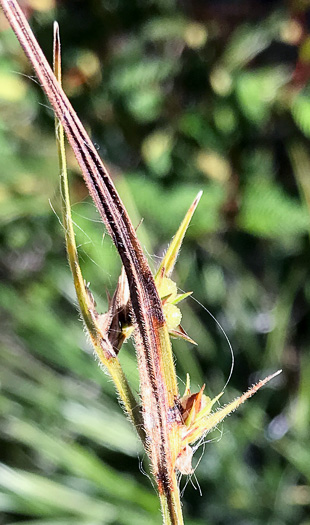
point(144, 306)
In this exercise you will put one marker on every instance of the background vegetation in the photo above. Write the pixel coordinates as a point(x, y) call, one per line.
point(178, 96)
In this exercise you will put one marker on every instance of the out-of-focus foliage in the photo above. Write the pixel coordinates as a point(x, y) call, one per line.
point(178, 96)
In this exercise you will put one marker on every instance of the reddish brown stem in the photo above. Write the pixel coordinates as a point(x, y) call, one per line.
point(147, 310)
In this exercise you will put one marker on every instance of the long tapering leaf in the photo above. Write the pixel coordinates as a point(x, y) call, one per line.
point(101, 347)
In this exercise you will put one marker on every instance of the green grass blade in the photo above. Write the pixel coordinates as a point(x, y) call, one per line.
point(111, 363)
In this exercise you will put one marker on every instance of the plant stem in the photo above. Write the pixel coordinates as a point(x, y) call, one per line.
point(159, 392)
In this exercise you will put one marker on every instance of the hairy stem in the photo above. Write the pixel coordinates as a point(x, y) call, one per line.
point(159, 390)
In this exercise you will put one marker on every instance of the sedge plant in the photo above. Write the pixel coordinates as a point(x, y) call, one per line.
point(144, 306)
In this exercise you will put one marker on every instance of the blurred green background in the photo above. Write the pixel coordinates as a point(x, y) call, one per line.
point(178, 96)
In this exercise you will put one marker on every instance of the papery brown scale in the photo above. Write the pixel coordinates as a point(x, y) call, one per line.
point(192, 400)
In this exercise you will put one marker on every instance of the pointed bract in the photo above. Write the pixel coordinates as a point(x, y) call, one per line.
point(198, 419)
point(168, 261)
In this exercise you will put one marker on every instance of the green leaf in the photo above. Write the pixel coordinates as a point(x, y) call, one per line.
point(268, 211)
